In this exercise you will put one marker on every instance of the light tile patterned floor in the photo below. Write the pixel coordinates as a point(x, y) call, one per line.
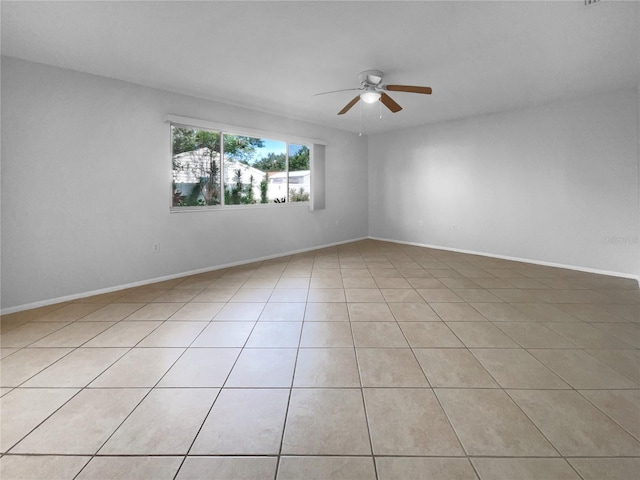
point(370, 360)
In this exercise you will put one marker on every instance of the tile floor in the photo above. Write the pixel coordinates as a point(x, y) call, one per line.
point(370, 360)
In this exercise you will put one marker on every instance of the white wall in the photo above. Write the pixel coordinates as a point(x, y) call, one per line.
point(547, 184)
point(71, 223)
point(555, 183)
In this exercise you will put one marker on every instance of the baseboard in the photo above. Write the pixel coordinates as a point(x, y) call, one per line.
point(515, 259)
point(78, 296)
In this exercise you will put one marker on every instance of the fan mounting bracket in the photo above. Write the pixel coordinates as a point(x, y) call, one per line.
point(370, 78)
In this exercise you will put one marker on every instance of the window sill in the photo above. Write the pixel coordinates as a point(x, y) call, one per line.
point(229, 208)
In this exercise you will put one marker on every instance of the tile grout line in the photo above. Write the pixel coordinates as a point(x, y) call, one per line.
point(364, 403)
point(151, 389)
point(546, 301)
point(293, 376)
point(81, 389)
point(219, 390)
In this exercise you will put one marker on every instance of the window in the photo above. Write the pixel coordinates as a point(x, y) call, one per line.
point(216, 168)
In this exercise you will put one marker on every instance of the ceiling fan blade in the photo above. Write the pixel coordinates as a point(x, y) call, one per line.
point(408, 88)
point(349, 105)
point(390, 103)
point(336, 91)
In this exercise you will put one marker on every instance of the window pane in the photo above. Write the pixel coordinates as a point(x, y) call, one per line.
point(299, 173)
point(271, 159)
point(196, 167)
point(246, 163)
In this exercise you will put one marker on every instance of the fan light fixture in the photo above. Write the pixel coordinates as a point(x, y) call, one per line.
point(370, 96)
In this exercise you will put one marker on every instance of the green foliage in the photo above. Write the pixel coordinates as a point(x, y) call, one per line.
point(300, 160)
point(236, 190)
point(189, 139)
point(248, 192)
point(278, 162)
point(212, 183)
point(272, 163)
point(241, 148)
point(193, 199)
point(200, 195)
point(238, 193)
point(183, 140)
point(264, 186)
point(298, 196)
point(207, 190)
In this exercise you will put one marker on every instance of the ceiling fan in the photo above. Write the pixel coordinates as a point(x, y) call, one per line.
point(372, 90)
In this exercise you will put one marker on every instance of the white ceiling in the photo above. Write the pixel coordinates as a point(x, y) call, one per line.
point(478, 56)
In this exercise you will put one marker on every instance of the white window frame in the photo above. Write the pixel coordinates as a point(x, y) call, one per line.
point(312, 143)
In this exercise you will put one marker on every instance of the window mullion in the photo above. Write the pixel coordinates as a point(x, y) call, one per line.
point(222, 170)
point(286, 166)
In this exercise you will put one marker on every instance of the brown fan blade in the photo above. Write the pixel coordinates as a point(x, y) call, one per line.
point(408, 88)
point(390, 103)
point(349, 105)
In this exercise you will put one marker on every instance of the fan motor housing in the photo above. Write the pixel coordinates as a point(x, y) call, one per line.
point(370, 77)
